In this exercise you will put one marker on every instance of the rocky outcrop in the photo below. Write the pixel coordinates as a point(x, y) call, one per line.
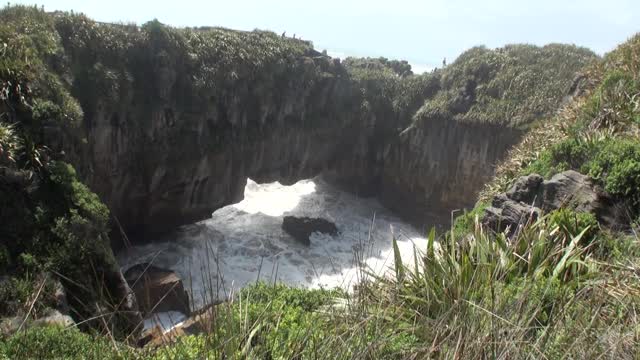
point(157, 290)
point(174, 125)
point(163, 149)
point(301, 228)
point(50, 317)
point(168, 153)
point(171, 163)
point(531, 196)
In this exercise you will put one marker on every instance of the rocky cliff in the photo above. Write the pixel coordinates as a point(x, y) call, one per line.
point(176, 120)
point(432, 170)
point(173, 162)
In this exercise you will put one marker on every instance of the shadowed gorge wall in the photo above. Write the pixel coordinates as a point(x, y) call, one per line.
point(448, 161)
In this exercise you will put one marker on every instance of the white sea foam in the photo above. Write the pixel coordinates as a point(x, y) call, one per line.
point(244, 242)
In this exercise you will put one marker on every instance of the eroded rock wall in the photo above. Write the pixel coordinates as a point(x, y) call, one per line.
point(163, 150)
point(441, 166)
point(171, 156)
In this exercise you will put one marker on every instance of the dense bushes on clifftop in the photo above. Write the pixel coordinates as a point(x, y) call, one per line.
point(513, 86)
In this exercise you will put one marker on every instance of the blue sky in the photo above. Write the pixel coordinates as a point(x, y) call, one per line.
point(423, 32)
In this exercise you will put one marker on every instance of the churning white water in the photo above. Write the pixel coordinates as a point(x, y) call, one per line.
point(244, 242)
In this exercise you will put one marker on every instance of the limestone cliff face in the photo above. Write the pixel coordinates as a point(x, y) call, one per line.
point(163, 154)
point(441, 166)
point(177, 120)
point(166, 163)
point(175, 155)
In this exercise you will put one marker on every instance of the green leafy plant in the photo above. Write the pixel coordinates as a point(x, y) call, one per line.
point(58, 343)
point(9, 144)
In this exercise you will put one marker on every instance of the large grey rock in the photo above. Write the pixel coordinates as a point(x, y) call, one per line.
point(157, 290)
point(300, 228)
point(580, 192)
point(60, 297)
point(509, 214)
point(10, 324)
point(527, 189)
point(530, 196)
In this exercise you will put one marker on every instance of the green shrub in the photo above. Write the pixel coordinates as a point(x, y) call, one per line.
point(14, 294)
point(9, 144)
point(58, 343)
point(466, 222)
point(573, 223)
point(613, 103)
point(397, 67)
point(514, 85)
point(613, 161)
point(78, 196)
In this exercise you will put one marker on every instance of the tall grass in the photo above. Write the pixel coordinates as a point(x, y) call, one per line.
point(547, 292)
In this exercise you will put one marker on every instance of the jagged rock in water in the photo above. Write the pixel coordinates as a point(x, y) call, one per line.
point(531, 196)
point(300, 228)
point(157, 290)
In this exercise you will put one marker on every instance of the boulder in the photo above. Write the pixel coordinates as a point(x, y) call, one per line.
point(509, 214)
point(527, 189)
point(54, 318)
point(581, 193)
point(530, 196)
point(300, 228)
point(128, 316)
point(59, 297)
point(157, 290)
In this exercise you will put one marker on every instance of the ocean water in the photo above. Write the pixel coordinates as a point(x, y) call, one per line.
point(244, 242)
